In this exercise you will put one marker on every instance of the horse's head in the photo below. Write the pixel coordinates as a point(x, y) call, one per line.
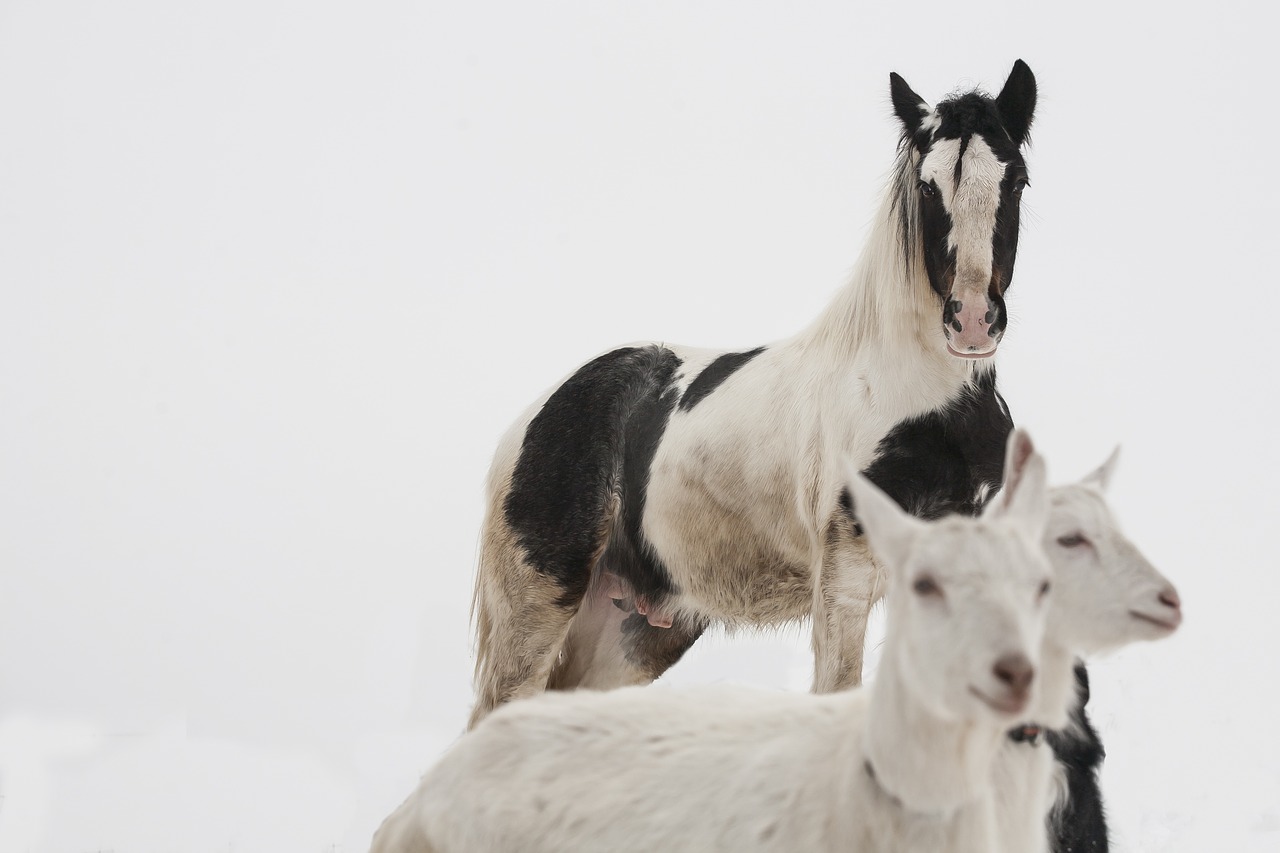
point(960, 185)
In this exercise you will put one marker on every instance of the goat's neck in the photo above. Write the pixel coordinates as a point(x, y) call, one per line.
point(928, 762)
point(1057, 691)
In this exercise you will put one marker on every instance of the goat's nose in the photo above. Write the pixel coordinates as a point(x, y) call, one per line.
point(1169, 598)
point(1015, 671)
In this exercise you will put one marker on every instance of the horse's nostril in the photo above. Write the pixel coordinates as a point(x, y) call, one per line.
point(1170, 598)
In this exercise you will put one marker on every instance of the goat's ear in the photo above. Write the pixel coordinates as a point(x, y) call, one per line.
point(888, 528)
point(1016, 102)
point(1018, 450)
point(1024, 496)
point(1102, 476)
point(907, 105)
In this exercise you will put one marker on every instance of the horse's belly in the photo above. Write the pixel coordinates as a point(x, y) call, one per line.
point(730, 562)
point(763, 593)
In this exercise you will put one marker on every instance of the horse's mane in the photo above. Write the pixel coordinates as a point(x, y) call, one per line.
point(902, 188)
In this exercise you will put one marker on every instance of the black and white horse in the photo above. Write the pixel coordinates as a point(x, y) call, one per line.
point(661, 488)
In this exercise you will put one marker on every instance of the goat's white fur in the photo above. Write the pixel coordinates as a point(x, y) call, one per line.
point(727, 768)
point(1100, 582)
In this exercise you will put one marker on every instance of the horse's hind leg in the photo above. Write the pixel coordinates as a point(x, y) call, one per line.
point(522, 616)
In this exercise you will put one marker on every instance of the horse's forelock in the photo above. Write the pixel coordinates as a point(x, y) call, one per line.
point(903, 182)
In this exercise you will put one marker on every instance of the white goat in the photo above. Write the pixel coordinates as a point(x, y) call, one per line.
point(1105, 595)
point(903, 765)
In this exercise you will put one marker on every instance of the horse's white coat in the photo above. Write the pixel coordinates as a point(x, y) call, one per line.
point(741, 505)
point(1101, 581)
point(726, 768)
point(743, 485)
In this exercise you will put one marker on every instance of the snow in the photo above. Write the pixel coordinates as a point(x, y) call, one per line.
point(276, 275)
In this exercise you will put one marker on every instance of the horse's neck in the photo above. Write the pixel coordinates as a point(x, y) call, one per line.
point(885, 325)
point(929, 763)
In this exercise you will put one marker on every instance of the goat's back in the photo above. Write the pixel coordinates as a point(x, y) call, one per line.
point(647, 768)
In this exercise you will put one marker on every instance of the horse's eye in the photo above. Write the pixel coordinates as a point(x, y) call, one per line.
point(1020, 185)
point(927, 190)
point(926, 586)
point(1072, 540)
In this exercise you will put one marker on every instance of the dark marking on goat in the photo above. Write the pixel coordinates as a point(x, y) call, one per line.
point(713, 375)
point(1080, 824)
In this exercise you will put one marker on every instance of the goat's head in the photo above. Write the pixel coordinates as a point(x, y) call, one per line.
point(1107, 594)
point(967, 597)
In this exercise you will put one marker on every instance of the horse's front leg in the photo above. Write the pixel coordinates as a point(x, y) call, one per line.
point(847, 582)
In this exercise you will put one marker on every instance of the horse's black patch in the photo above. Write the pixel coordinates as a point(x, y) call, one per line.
point(1080, 824)
point(846, 501)
point(967, 114)
point(590, 445)
point(1004, 242)
point(935, 464)
point(713, 374)
point(958, 170)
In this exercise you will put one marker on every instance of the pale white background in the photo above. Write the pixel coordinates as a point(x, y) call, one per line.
point(276, 275)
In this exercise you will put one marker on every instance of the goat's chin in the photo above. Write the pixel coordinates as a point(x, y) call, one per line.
point(1005, 706)
point(1154, 627)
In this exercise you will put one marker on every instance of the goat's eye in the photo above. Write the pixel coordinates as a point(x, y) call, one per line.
point(1044, 590)
point(927, 190)
point(1072, 540)
point(926, 586)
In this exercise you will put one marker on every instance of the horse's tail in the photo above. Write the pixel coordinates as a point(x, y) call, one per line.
point(481, 625)
point(488, 605)
point(505, 595)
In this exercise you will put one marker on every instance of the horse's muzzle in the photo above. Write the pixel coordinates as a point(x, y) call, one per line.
point(969, 323)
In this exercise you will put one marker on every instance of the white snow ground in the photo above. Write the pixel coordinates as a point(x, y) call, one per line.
point(276, 275)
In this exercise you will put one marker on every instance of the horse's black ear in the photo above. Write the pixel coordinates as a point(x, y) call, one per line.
point(1016, 102)
point(909, 107)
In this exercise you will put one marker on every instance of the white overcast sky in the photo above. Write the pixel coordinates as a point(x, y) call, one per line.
point(274, 276)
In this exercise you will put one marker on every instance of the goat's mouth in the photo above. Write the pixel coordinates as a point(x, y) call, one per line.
point(1007, 705)
point(1165, 624)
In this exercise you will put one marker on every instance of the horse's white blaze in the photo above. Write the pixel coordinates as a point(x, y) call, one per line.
point(972, 203)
